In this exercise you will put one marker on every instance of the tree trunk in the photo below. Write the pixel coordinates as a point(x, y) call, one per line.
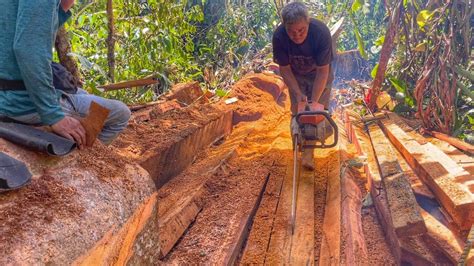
point(63, 47)
point(111, 41)
point(385, 54)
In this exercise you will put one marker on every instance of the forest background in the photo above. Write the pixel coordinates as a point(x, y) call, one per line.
point(426, 64)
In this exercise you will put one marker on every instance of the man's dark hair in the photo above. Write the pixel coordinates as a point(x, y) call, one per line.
point(294, 12)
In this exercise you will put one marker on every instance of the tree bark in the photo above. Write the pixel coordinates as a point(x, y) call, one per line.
point(63, 48)
point(385, 54)
point(111, 41)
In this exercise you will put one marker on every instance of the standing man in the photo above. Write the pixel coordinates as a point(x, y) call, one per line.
point(302, 47)
point(27, 33)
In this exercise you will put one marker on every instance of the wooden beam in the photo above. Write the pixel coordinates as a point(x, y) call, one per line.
point(448, 181)
point(464, 146)
point(257, 242)
point(355, 249)
point(377, 192)
point(330, 252)
point(130, 84)
point(298, 248)
point(174, 223)
point(404, 209)
point(302, 248)
point(412, 250)
point(451, 245)
point(244, 229)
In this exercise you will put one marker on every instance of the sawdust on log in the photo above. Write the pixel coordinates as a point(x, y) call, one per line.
point(44, 200)
point(161, 130)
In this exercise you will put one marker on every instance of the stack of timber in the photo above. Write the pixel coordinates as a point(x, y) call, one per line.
point(421, 194)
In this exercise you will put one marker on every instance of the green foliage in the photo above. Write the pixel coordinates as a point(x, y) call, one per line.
point(173, 40)
point(401, 87)
point(364, 28)
point(434, 42)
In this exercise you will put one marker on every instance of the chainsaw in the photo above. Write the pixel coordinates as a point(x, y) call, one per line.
point(310, 128)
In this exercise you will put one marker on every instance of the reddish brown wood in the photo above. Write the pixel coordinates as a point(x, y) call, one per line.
point(448, 181)
point(355, 249)
point(330, 252)
point(464, 146)
point(404, 209)
point(130, 84)
point(185, 93)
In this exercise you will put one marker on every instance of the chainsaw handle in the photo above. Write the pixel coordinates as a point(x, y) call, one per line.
point(331, 122)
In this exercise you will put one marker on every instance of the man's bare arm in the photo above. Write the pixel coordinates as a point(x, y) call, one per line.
point(322, 74)
point(291, 82)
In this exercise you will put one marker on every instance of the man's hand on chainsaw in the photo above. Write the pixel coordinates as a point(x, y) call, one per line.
point(300, 97)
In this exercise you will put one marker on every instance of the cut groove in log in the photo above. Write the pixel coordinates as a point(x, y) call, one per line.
point(176, 219)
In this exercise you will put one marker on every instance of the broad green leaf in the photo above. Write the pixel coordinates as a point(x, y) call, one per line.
point(221, 93)
point(360, 43)
point(401, 87)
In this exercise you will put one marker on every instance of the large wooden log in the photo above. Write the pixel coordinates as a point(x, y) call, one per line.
point(92, 205)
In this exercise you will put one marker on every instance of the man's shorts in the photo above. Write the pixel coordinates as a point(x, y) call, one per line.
point(306, 85)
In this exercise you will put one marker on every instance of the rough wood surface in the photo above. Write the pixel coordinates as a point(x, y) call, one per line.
point(243, 230)
point(174, 223)
point(404, 209)
point(441, 174)
point(330, 251)
point(79, 206)
point(464, 146)
point(377, 192)
point(297, 248)
point(163, 163)
point(355, 249)
point(185, 93)
point(177, 212)
point(130, 84)
point(451, 245)
point(94, 122)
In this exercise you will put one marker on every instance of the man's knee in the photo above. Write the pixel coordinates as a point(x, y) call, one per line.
point(119, 113)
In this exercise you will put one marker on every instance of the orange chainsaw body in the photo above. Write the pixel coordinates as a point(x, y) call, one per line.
point(312, 119)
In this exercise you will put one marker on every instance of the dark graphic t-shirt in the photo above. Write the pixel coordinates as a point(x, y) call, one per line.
point(303, 58)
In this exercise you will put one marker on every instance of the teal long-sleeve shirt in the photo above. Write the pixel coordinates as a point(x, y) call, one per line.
point(27, 33)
